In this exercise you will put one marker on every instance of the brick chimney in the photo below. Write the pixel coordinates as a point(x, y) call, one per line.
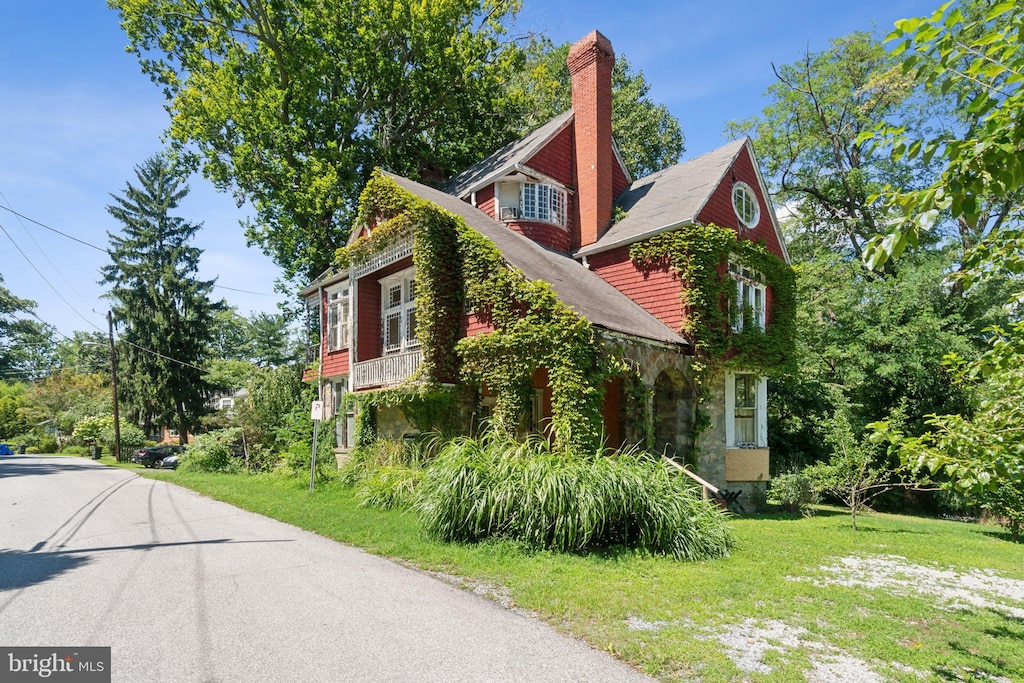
point(590, 66)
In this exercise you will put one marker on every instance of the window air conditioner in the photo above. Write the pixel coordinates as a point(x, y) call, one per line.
point(509, 213)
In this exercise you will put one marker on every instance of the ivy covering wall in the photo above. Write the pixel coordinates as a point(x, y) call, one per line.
point(698, 254)
point(459, 269)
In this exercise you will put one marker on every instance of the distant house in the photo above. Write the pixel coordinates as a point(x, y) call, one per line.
point(561, 207)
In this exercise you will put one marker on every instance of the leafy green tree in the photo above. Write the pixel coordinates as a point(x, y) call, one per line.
point(84, 353)
point(66, 397)
point(877, 343)
point(858, 470)
point(292, 104)
point(274, 394)
point(26, 345)
point(975, 51)
point(231, 338)
point(13, 398)
point(981, 455)
point(648, 136)
point(273, 340)
point(163, 309)
point(807, 140)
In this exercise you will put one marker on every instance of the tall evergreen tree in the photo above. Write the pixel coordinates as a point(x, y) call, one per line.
point(163, 309)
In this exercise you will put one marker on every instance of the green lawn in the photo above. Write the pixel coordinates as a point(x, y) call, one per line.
point(666, 616)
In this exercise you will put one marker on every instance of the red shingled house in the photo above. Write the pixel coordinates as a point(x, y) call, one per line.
point(547, 202)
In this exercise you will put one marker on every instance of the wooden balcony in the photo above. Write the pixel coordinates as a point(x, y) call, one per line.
point(386, 371)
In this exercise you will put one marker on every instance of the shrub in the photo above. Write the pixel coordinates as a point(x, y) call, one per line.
point(75, 450)
point(564, 500)
point(47, 444)
point(28, 439)
point(211, 452)
point(89, 430)
point(365, 460)
point(390, 486)
point(132, 438)
point(792, 492)
point(260, 459)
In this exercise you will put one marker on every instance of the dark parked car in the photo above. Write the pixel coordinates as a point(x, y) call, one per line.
point(170, 462)
point(154, 455)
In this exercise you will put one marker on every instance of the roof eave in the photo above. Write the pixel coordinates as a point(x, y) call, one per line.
point(598, 248)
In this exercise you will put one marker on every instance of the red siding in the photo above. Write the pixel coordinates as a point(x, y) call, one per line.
point(368, 341)
point(619, 182)
point(335, 363)
point(472, 325)
point(368, 319)
point(719, 209)
point(544, 233)
point(485, 200)
point(657, 290)
point(555, 158)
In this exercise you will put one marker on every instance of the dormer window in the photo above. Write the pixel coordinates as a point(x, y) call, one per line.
point(543, 202)
point(528, 200)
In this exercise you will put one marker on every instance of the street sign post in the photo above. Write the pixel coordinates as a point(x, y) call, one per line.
point(317, 413)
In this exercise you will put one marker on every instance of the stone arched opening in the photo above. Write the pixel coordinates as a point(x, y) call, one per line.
point(672, 413)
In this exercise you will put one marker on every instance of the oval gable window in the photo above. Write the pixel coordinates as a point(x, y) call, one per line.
point(744, 202)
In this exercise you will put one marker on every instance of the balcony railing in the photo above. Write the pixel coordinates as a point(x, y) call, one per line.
point(386, 371)
point(396, 251)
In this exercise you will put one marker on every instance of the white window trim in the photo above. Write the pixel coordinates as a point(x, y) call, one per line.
point(749, 192)
point(407, 340)
point(344, 426)
point(314, 325)
point(556, 199)
point(760, 411)
point(339, 317)
point(749, 283)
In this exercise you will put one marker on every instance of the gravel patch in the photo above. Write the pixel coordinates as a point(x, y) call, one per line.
point(976, 588)
point(748, 642)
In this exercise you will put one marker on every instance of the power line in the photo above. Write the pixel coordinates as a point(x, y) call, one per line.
point(93, 246)
point(41, 250)
point(40, 273)
point(243, 291)
point(43, 225)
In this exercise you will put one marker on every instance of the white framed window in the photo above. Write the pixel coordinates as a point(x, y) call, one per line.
point(543, 202)
point(339, 317)
point(313, 330)
point(345, 425)
point(744, 202)
point(751, 295)
point(398, 312)
point(746, 410)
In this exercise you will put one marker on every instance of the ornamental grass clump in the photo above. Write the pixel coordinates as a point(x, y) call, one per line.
point(563, 500)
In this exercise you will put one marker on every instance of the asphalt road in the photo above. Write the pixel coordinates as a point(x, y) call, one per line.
point(184, 588)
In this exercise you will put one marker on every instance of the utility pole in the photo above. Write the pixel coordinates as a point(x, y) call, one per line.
point(113, 383)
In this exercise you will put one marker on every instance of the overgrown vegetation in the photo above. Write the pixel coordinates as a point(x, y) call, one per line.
point(550, 497)
point(457, 268)
point(698, 254)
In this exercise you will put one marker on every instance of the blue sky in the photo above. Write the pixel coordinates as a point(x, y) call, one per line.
point(76, 115)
